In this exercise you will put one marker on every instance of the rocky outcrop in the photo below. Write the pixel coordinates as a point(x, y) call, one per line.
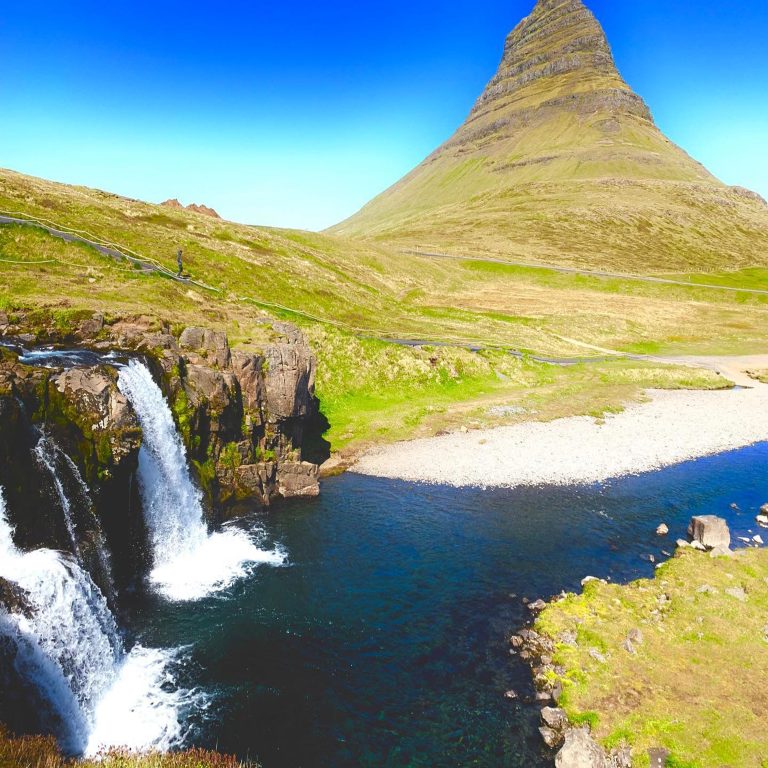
point(88, 401)
point(195, 208)
point(710, 531)
point(61, 428)
point(244, 414)
point(577, 747)
point(560, 42)
point(580, 750)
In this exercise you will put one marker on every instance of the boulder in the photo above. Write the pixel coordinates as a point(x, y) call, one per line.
point(297, 478)
point(738, 593)
point(710, 531)
point(629, 647)
point(580, 750)
point(510, 695)
point(554, 718)
point(721, 551)
point(662, 530)
point(551, 737)
point(597, 656)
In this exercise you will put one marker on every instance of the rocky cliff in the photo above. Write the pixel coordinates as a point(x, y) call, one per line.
point(244, 417)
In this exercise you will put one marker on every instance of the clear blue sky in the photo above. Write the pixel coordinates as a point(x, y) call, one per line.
point(295, 113)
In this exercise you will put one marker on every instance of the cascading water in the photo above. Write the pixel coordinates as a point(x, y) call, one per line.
point(188, 562)
point(45, 452)
point(67, 645)
point(56, 463)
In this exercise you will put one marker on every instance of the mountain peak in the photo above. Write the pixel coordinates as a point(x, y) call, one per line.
point(560, 161)
point(557, 57)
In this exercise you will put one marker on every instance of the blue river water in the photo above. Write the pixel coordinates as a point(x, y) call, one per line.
point(384, 640)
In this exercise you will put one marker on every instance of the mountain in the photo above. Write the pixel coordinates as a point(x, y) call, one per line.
point(560, 161)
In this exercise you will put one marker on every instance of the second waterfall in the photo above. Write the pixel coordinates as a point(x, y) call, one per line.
point(188, 562)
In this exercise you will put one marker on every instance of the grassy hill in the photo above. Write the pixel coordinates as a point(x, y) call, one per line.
point(351, 297)
point(560, 162)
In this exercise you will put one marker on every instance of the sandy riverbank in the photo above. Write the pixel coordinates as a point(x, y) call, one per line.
point(670, 428)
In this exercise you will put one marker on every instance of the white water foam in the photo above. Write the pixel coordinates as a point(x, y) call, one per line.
point(142, 708)
point(188, 562)
point(95, 695)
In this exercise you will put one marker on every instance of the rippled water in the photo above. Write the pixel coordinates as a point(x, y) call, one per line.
point(383, 643)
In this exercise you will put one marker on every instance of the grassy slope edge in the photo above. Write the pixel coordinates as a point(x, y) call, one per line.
point(698, 684)
point(42, 752)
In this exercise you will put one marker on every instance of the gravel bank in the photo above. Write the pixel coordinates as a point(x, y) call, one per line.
point(671, 428)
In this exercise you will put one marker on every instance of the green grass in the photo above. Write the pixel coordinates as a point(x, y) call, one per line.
point(697, 685)
point(338, 290)
point(755, 278)
point(374, 392)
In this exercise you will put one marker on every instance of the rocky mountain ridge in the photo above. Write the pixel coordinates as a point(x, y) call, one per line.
point(193, 207)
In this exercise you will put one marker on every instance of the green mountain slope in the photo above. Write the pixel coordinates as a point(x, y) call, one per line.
point(346, 294)
point(560, 162)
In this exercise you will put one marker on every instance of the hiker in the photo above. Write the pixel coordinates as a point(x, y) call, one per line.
point(179, 263)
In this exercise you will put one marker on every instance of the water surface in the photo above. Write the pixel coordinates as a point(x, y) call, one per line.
point(383, 642)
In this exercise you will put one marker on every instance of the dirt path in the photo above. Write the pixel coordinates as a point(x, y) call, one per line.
point(106, 249)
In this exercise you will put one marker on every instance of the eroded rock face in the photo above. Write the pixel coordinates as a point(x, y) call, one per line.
point(101, 412)
point(59, 429)
point(243, 415)
point(246, 412)
point(298, 478)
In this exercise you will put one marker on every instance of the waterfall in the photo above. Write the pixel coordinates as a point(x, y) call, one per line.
point(59, 465)
point(45, 452)
point(188, 562)
point(94, 694)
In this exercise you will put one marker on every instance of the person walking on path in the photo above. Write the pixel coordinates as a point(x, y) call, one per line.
point(179, 262)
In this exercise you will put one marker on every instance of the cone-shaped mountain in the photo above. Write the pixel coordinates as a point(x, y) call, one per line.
point(560, 161)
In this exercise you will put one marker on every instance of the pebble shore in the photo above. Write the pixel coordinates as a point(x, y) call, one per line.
point(672, 427)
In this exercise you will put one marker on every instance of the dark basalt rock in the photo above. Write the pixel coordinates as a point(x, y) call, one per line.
point(13, 599)
point(241, 409)
point(86, 417)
